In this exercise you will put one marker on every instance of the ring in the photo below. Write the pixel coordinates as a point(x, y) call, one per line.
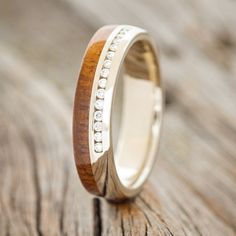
point(118, 109)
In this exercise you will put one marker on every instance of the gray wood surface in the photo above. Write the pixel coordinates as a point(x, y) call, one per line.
point(192, 190)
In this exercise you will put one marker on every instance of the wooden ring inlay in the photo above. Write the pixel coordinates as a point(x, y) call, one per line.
point(81, 108)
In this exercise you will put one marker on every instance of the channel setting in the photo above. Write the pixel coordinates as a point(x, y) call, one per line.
point(100, 92)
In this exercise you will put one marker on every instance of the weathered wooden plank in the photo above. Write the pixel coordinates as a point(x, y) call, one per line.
point(192, 190)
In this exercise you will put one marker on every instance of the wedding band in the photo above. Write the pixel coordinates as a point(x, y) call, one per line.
point(118, 111)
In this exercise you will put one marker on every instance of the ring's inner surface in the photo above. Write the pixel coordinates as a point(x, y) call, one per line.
point(136, 114)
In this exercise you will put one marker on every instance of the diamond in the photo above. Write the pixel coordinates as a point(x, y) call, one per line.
point(116, 40)
point(107, 64)
point(122, 32)
point(98, 136)
point(98, 115)
point(110, 55)
point(100, 93)
point(97, 126)
point(119, 36)
point(104, 72)
point(98, 147)
point(99, 104)
point(113, 47)
point(102, 83)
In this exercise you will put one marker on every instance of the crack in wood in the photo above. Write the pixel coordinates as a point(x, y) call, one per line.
point(97, 217)
point(155, 212)
point(122, 226)
point(35, 178)
point(63, 201)
point(145, 215)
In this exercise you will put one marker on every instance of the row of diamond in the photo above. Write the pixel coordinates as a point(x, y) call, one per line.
point(100, 93)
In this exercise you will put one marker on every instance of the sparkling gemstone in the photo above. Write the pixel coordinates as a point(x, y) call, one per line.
point(113, 47)
point(98, 147)
point(98, 136)
point(107, 64)
point(126, 29)
point(122, 32)
point(116, 40)
point(99, 104)
point(104, 72)
point(100, 93)
point(97, 126)
point(119, 36)
point(110, 55)
point(102, 83)
point(98, 115)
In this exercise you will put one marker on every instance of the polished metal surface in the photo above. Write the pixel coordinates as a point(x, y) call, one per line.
point(132, 116)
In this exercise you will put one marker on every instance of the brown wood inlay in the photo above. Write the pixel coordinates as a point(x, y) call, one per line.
point(81, 108)
point(193, 189)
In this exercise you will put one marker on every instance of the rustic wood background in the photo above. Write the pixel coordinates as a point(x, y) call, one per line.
point(192, 190)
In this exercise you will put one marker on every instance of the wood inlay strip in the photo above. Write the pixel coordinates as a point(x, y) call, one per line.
point(81, 108)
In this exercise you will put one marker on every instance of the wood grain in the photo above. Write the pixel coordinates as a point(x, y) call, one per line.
point(81, 108)
point(192, 189)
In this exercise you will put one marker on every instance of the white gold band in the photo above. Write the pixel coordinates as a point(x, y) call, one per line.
point(125, 113)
